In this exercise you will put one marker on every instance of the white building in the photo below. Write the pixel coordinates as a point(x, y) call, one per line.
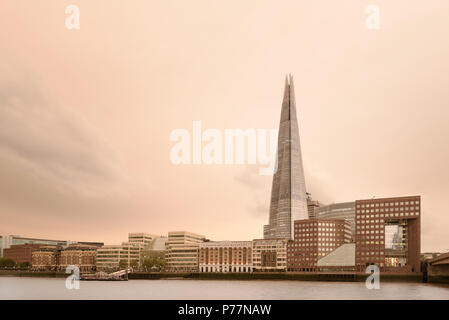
point(225, 256)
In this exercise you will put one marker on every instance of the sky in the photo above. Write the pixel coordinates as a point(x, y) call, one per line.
point(86, 115)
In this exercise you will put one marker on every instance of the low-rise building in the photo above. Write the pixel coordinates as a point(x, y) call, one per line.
point(142, 238)
point(115, 257)
point(270, 255)
point(225, 256)
point(315, 239)
point(84, 257)
point(9, 240)
point(21, 253)
point(125, 255)
point(182, 251)
point(45, 258)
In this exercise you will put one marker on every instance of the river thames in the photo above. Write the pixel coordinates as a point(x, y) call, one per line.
point(54, 288)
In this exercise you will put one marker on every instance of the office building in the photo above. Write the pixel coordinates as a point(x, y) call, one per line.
point(142, 238)
point(343, 210)
point(270, 255)
point(182, 251)
point(9, 240)
point(225, 256)
point(314, 239)
point(288, 192)
point(388, 233)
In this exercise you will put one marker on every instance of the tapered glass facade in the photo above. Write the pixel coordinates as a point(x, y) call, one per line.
point(288, 193)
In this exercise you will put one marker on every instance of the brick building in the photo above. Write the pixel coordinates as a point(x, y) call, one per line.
point(82, 256)
point(21, 253)
point(46, 258)
point(313, 240)
point(388, 233)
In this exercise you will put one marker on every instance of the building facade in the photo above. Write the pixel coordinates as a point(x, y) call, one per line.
point(9, 240)
point(46, 258)
point(82, 256)
point(343, 210)
point(115, 257)
point(288, 193)
point(225, 256)
point(313, 240)
point(311, 206)
point(21, 253)
point(182, 250)
point(270, 255)
point(142, 238)
point(388, 233)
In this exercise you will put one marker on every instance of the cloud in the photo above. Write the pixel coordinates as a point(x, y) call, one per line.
point(50, 141)
point(53, 164)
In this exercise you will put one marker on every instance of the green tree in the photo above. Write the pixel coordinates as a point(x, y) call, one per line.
point(6, 263)
point(23, 265)
point(123, 264)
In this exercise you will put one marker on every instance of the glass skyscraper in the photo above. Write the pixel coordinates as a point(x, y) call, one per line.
point(288, 193)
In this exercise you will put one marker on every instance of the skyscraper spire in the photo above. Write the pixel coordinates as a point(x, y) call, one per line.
point(288, 192)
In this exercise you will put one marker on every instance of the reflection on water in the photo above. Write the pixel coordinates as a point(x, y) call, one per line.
point(38, 288)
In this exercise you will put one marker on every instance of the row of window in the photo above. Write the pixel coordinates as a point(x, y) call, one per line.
point(386, 204)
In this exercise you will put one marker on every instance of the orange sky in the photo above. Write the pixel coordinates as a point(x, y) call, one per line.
point(85, 115)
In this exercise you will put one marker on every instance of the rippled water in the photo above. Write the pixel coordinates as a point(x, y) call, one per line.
point(39, 288)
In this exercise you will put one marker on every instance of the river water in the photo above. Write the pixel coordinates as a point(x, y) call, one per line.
point(55, 288)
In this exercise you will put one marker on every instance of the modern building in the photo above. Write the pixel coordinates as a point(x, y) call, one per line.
point(313, 240)
point(9, 240)
point(312, 205)
point(46, 258)
point(125, 255)
point(288, 193)
point(21, 253)
point(388, 233)
point(225, 256)
point(182, 251)
point(270, 255)
point(82, 256)
point(142, 238)
point(115, 257)
point(343, 210)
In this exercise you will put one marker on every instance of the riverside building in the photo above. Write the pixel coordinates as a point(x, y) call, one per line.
point(182, 248)
point(313, 240)
point(388, 234)
point(82, 256)
point(225, 256)
point(270, 255)
point(128, 254)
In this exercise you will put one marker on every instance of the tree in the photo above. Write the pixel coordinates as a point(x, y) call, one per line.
point(123, 264)
point(153, 260)
point(23, 265)
point(6, 263)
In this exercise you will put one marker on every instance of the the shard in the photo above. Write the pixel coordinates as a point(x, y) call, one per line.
point(288, 193)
